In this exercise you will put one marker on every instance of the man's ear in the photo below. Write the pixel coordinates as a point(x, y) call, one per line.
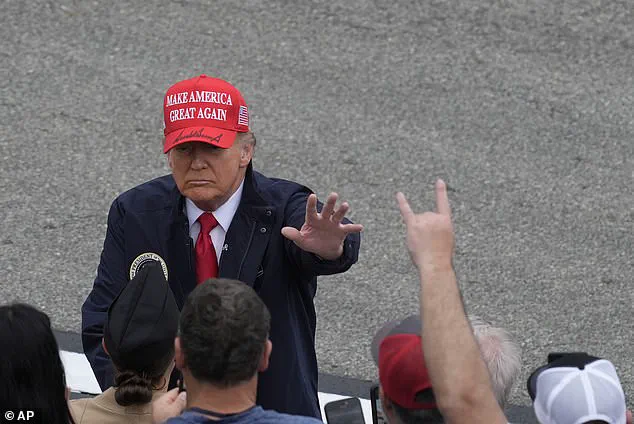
point(266, 356)
point(179, 355)
point(103, 344)
point(169, 159)
point(246, 153)
point(628, 417)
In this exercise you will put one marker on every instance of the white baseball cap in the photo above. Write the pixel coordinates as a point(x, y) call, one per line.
point(575, 388)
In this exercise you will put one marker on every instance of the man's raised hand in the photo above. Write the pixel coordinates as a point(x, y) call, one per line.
point(323, 233)
point(430, 236)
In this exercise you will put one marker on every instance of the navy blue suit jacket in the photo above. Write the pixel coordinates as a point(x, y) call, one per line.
point(151, 218)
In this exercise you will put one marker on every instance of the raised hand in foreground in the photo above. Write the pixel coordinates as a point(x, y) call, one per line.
point(430, 236)
point(459, 378)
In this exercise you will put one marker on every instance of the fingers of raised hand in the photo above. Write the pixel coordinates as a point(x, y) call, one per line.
point(406, 211)
point(352, 228)
point(442, 199)
point(292, 234)
point(311, 208)
point(329, 206)
point(340, 213)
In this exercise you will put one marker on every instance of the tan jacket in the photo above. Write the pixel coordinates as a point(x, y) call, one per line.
point(104, 409)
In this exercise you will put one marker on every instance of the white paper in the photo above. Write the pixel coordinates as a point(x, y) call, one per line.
point(79, 375)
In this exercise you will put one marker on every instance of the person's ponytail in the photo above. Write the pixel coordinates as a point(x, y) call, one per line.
point(132, 389)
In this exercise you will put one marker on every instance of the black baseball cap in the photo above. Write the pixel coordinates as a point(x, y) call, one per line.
point(142, 321)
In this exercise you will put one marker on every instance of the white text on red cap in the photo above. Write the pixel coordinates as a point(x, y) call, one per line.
point(199, 97)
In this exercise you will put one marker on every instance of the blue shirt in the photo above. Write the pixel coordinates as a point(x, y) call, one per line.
point(255, 415)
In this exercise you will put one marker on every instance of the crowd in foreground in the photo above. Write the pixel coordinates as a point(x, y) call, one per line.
point(439, 366)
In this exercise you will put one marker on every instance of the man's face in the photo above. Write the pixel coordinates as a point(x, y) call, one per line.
point(209, 175)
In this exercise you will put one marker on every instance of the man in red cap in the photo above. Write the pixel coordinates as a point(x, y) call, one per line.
point(214, 216)
point(405, 387)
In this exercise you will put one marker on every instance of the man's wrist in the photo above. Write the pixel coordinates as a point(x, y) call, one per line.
point(435, 268)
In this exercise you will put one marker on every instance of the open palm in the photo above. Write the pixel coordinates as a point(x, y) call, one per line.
point(323, 233)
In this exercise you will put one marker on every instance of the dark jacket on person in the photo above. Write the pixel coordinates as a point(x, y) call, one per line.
point(151, 218)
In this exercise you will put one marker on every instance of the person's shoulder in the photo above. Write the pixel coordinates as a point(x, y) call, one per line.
point(78, 408)
point(149, 195)
point(273, 417)
point(186, 418)
point(276, 186)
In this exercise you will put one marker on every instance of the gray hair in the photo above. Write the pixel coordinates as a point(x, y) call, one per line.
point(502, 356)
point(247, 137)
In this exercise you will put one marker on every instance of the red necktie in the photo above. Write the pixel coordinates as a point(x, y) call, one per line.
point(206, 260)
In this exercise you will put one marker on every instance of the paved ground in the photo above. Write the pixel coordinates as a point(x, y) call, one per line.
point(525, 107)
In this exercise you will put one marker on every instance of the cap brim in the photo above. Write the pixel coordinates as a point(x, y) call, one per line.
point(409, 325)
point(531, 383)
point(218, 137)
point(564, 360)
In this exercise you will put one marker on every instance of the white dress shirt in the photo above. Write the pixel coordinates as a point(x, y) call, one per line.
point(224, 215)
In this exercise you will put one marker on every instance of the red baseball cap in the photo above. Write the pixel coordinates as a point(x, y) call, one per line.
point(397, 350)
point(205, 109)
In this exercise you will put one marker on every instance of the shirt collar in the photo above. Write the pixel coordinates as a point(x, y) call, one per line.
point(224, 214)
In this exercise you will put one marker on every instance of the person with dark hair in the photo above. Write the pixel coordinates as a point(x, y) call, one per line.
point(139, 337)
point(216, 216)
point(31, 370)
point(222, 345)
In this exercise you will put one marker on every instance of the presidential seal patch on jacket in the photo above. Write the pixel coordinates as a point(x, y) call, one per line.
point(143, 259)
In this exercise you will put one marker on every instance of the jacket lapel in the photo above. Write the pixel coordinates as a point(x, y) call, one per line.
point(248, 235)
point(182, 277)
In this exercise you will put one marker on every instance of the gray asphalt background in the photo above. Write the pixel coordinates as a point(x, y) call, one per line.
point(524, 107)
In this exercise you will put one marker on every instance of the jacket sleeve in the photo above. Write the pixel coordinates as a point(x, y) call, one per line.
point(110, 280)
point(309, 263)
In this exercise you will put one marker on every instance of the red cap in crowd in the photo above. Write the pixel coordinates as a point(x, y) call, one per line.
point(397, 350)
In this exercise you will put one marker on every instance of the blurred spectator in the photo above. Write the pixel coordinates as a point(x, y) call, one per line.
point(406, 393)
point(462, 386)
point(501, 355)
point(576, 388)
point(31, 370)
point(139, 337)
point(405, 388)
point(222, 345)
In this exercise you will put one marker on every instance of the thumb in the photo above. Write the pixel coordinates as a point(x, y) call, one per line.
point(292, 233)
point(171, 395)
point(181, 400)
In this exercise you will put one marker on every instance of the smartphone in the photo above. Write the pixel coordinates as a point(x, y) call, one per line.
point(378, 416)
point(344, 411)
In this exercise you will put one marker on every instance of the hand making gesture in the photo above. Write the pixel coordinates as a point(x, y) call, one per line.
point(323, 233)
point(430, 236)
